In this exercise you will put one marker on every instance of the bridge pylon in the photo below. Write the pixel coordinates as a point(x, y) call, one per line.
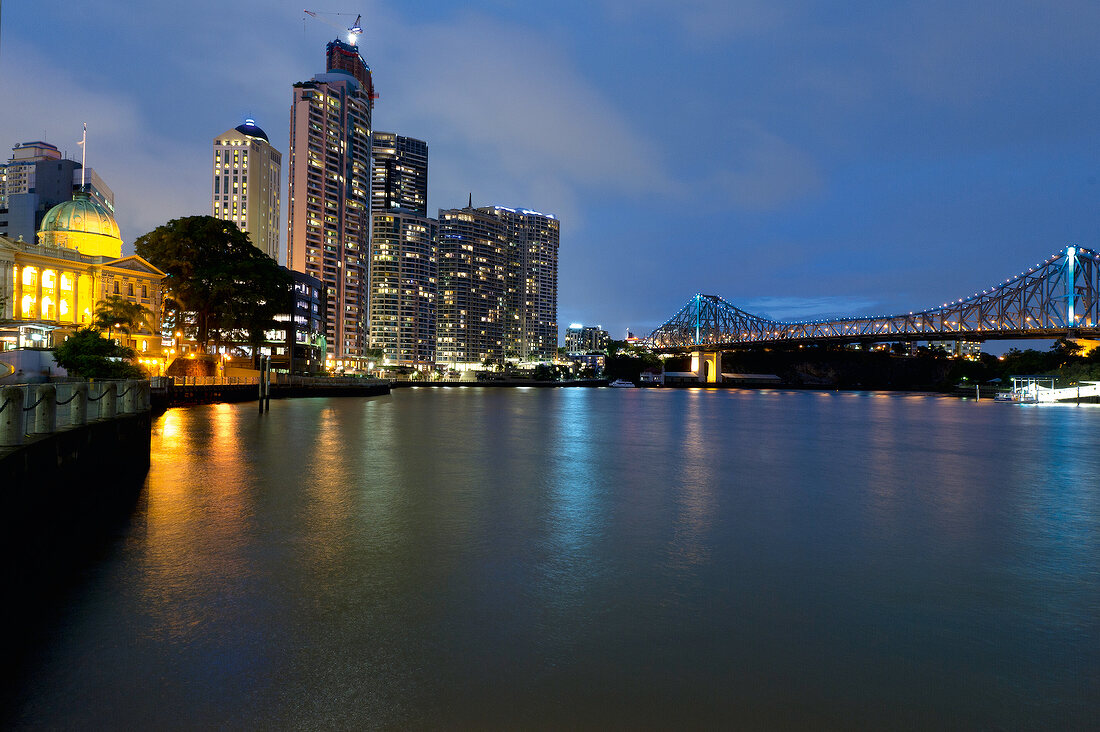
point(707, 366)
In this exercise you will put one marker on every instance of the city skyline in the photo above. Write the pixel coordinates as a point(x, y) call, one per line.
point(797, 162)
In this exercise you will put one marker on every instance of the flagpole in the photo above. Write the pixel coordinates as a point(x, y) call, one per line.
point(83, 154)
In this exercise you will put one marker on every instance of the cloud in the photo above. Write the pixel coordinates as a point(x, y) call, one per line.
point(136, 163)
point(762, 170)
point(703, 20)
point(510, 106)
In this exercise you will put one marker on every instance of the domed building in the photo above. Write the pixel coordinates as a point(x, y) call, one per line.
point(84, 225)
point(50, 288)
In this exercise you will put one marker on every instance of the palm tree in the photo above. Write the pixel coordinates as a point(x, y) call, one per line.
point(118, 312)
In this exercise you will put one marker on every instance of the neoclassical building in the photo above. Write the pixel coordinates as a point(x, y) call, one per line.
point(50, 288)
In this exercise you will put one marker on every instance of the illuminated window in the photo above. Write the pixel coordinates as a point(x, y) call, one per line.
point(30, 276)
point(66, 282)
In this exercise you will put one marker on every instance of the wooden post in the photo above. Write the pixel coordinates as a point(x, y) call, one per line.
point(267, 386)
point(260, 381)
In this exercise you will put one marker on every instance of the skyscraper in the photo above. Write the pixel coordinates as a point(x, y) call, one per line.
point(246, 184)
point(471, 292)
point(400, 174)
point(531, 299)
point(330, 177)
point(404, 272)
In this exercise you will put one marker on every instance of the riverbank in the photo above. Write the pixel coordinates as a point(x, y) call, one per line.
point(499, 383)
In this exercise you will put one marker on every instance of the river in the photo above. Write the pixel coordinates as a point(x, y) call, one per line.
point(594, 558)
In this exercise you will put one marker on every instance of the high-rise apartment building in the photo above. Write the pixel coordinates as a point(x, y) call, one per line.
point(330, 178)
point(404, 266)
point(246, 184)
point(404, 272)
point(470, 305)
point(400, 173)
point(531, 300)
point(580, 339)
point(36, 179)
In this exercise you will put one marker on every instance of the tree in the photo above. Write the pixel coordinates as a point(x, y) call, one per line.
point(86, 353)
point(215, 273)
point(118, 312)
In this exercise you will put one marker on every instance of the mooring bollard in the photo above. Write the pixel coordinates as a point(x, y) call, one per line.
point(11, 416)
point(130, 397)
point(78, 412)
point(45, 411)
point(108, 401)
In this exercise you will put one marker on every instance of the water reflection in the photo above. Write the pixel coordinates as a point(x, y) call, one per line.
point(489, 558)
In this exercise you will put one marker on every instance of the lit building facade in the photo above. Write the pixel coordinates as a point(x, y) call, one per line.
point(35, 179)
point(531, 303)
point(329, 213)
point(245, 185)
point(404, 274)
point(51, 287)
point(470, 304)
point(580, 339)
point(400, 173)
point(297, 342)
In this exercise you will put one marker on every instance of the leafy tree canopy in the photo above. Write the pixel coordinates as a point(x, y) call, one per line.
point(119, 312)
point(215, 272)
point(86, 353)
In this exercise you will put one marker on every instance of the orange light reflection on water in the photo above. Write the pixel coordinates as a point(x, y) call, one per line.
point(181, 578)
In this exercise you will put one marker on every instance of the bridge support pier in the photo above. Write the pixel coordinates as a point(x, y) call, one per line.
point(707, 366)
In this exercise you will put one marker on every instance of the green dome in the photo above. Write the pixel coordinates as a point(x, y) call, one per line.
point(81, 215)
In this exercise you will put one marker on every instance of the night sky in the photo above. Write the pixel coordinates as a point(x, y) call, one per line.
point(800, 159)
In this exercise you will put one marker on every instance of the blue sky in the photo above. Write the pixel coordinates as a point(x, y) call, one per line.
point(798, 158)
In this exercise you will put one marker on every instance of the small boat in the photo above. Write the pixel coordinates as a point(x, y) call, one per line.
point(622, 384)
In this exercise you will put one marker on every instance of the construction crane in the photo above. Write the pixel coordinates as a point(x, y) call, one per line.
point(353, 31)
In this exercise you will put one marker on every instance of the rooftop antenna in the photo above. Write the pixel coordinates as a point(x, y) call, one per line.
point(84, 153)
point(471, 202)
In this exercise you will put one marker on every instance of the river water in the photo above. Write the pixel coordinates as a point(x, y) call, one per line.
point(594, 558)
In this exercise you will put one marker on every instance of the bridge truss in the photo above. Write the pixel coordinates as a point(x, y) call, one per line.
point(1056, 298)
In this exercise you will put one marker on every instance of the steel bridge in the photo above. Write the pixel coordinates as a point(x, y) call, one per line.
point(1054, 299)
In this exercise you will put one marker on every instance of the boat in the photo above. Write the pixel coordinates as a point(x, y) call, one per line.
point(622, 384)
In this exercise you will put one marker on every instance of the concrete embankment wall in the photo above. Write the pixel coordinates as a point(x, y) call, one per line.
point(64, 497)
point(181, 395)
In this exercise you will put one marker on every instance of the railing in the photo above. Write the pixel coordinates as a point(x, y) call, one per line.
point(41, 409)
point(161, 382)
